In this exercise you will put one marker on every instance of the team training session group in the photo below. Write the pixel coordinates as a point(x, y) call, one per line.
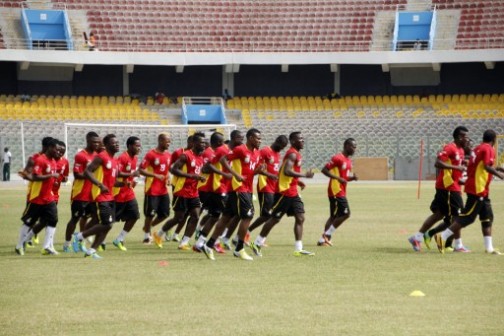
point(214, 176)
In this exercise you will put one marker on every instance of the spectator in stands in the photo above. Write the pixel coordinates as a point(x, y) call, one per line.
point(91, 42)
point(417, 45)
point(159, 97)
point(6, 160)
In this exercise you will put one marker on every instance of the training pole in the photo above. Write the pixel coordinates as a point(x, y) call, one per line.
point(420, 165)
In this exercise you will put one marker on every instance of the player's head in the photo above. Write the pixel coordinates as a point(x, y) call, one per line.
point(133, 145)
point(461, 136)
point(52, 149)
point(45, 143)
point(216, 139)
point(61, 149)
point(111, 144)
point(349, 147)
point(190, 141)
point(489, 136)
point(93, 141)
point(6, 149)
point(253, 138)
point(236, 138)
point(198, 142)
point(296, 140)
point(163, 141)
point(280, 143)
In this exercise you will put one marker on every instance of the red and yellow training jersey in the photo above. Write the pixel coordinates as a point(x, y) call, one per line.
point(478, 179)
point(125, 164)
point(272, 161)
point(208, 155)
point(188, 187)
point(41, 192)
point(106, 174)
point(157, 163)
point(341, 166)
point(448, 179)
point(81, 188)
point(288, 185)
point(244, 162)
point(63, 169)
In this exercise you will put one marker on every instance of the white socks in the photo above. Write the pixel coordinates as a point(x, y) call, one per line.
point(419, 236)
point(259, 241)
point(49, 237)
point(122, 236)
point(330, 231)
point(298, 245)
point(22, 233)
point(458, 243)
point(446, 234)
point(487, 240)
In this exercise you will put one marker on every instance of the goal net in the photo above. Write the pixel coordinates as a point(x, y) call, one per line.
point(75, 134)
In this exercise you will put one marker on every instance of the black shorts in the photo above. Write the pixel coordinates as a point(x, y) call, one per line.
point(266, 201)
point(185, 204)
point(287, 205)
point(448, 203)
point(203, 196)
point(105, 211)
point(157, 205)
point(476, 205)
point(82, 209)
point(239, 204)
point(215, 204)
point(338, 207)
point(127, 211)
point(47, 213)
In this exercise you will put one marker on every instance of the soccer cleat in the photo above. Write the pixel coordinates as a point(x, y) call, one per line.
point(441, 244)
point(175, 238)
point(30, 244)
point(449, 249)
point(197, 249)
point(185, 247)
point(67, 249)
point(242, 255)
point(147, 241)
point(76, 244)
point(218, 248)
point(93, 255)
point(256, 249)
point(35, 239)
point(120, 245)
point(462, 249)
point(417, 247)
point(208, 252)
point(158, 240)
point(19, 251)
point(494, 252)
point(227, 245)
point(49, 251)
point(303, 253)
point(427, 239)
point(102, 247)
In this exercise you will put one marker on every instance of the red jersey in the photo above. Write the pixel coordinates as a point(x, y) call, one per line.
point(41, 192)
point(157, 163)
point(341, 166)
point(63, 169)
point(244, 162)
point(208, 155)
point(81, 188)
point(33, 157)
point(216, 182)
point(174, 157)
point(106, 174)
point(125, 164)
point(478, 179)
point(272, 161)
point(287, 185)
point(188, 187)
point(448, 179)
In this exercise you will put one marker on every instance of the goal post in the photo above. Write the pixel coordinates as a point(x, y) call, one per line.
point(75, 134)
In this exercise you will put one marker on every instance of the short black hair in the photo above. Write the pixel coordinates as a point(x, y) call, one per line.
point(131, 140)
point(61, 143)
point(235, 133)
point(91, 134)
point(107, 138)
point(282, 140)
point(489, 136)
point(251, 132)
point(293, 135)
point(46, 141)
point(53, 142)
point(214, 138)
point(348, 141)
point(459, 130)
point(198, 135)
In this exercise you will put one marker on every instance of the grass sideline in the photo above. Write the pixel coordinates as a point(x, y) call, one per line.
point(360, 286)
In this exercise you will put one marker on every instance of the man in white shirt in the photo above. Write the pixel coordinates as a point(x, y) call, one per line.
point(6, 160)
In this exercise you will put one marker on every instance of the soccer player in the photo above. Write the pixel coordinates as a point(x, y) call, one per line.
point(186, 200)
point(339, 171)
point(155, 167)
point(267, 181)
point(174, 156)
point(448, 199)
point(102, 172)
point(244, 164)
point(126, 202)
point(287, 200)
point(480, 173)
point(214, 192)
point(41, 204)
point(81, 206)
